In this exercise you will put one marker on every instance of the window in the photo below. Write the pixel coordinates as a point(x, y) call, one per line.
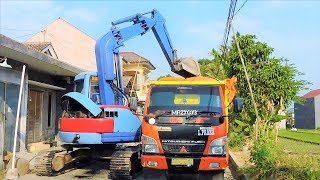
point(94, 90)
point(79, 86)
point(138, 82)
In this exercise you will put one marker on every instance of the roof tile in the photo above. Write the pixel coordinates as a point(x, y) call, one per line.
point(131, 57)
point(38, 46)
point(312, 94)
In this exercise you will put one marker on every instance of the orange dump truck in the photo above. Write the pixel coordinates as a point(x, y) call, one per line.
point(185, 125)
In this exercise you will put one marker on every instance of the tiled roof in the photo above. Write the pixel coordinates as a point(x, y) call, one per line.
point(131, 57)
point(38, 46)
point(312, 94)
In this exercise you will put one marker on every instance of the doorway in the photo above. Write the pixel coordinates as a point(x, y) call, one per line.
point(34, 118)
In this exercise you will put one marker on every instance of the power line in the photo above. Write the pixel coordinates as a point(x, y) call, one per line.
point(232, 7)
point(240, 7)
point(23, 36)
point(12, 29)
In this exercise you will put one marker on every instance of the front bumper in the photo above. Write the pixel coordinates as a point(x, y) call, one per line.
point(199, 163)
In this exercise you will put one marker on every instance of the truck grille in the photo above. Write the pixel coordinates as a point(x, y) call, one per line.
point(183, 148)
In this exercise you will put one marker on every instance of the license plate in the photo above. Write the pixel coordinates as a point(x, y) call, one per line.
point(182, 161)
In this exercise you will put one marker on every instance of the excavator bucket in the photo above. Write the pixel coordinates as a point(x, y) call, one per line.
point(187, 67)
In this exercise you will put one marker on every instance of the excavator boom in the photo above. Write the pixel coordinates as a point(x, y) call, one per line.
point(109, 63)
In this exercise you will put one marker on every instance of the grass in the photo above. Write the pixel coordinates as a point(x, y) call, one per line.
point(298, 160)
point(312, 131)
point(1, 174)
point(298, 147)
point(295, 160)
point(312, 136)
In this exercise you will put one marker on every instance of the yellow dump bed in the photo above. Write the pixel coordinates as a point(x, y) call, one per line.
point(228, 85)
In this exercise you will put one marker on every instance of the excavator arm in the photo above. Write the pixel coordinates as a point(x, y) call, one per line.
point(109, 62)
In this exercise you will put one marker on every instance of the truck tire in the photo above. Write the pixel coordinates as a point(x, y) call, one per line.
point(215, 175)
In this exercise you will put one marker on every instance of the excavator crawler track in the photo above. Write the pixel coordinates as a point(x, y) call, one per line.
point(43, 162)
point(125, 164)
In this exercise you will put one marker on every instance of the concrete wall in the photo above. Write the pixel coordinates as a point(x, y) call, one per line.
point(305, 114)
point(317, 111)
point(70, 44)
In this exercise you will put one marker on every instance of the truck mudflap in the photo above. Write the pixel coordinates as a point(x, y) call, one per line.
point(192, 165)
point(78, 101)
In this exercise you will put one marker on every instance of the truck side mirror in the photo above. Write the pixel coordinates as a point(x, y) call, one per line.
point(237, 104)
point(133, 103)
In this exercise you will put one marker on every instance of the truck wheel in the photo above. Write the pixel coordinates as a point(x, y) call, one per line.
point(216, 175)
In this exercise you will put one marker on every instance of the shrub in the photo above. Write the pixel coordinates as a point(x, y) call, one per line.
point(237, 140)
point(263, 156)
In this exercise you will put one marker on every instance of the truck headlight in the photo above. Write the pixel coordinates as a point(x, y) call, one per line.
point(149, 145)
point(218, 146)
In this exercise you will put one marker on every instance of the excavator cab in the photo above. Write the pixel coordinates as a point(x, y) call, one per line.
point(87, 84)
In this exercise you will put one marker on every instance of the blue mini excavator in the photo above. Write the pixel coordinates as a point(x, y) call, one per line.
point(99, 119)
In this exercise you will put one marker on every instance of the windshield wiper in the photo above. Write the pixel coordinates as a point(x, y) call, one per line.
point(204, 112)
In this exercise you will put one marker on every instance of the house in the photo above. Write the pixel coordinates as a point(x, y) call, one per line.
point(75, 47)
point(307, 115)
point(137, 67)
point(70, 44)
point(46, 80)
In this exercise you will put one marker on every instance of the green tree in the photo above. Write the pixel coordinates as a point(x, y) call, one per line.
point(168, 75)
point(212, 68)
point(274, 80)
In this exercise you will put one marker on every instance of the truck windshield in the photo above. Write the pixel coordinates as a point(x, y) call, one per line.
point(188, 102)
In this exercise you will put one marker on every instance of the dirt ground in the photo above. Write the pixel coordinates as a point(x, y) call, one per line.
point(242, 157)
point(95, 170)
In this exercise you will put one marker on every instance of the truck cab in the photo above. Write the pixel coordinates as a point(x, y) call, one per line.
point(185, 125)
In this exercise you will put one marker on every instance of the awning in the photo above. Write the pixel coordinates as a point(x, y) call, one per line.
point(44, 85)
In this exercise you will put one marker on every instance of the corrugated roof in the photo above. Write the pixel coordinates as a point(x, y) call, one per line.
point(312, 94)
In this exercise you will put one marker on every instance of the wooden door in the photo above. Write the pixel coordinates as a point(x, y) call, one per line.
point(34, 120)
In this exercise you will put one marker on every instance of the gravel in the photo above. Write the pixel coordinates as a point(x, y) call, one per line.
point(95, 170)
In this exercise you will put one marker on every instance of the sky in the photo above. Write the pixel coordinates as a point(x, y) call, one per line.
point(195, 27)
